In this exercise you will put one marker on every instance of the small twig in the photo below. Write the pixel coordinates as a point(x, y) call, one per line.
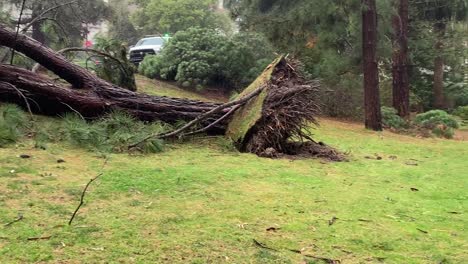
point(332, 221)
point(22, 95)
point(82, 197)
point(327, 260)
point(19, 218)
point(71, 108)
point(84, 193)
point(261, 245)
point(422, 231)
point(39, 238)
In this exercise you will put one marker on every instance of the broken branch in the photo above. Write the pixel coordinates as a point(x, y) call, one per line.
point(84, 193)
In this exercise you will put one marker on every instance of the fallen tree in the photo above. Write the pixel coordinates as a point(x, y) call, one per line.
point(277, 108)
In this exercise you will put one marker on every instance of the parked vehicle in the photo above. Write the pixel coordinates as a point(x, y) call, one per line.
point(145, 46)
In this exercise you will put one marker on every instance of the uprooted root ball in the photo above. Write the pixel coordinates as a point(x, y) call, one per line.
point(288, 111)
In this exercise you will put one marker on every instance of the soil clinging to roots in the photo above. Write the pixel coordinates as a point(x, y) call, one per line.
point(289, 109)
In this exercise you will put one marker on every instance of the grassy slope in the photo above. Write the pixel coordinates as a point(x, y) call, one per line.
point(155, 87)
point(199, 203)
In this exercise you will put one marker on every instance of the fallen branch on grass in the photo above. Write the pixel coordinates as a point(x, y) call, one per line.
point(261, 245)
point(84, 193)
point(19, 218)
point(326, 260)
point(39, 238)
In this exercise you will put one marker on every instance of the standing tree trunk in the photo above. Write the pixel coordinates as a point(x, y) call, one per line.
point(400, 60)
point(438, 88)
point(373, 114)
point(439, 63)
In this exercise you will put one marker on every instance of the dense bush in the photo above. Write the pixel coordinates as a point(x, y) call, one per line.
point(456, 91)
point(391, 119)
point(112, 133)
point(439, 122)
point(13, 122)
point(462, 112)
point(200, 57)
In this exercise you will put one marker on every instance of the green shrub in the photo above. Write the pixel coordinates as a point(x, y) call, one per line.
point(83, 134)
point(200, 57)
point(433, 118)
point(151, 66)
point(13, 122)
point(439, 122)
point(442, 131)
point(112, 133)
point(462, 112)
point(391, 119)
point(121, 73)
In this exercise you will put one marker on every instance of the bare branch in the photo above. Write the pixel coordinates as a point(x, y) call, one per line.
point(45, 12)
point(84, 192)
point(224, 117)
point(22, 95)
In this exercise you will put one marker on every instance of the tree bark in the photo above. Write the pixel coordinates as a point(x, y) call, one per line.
point(89, 95)
point(439, 63)
point(400, 60)
point(51, 60)
point(46, 97)
point(373, 116)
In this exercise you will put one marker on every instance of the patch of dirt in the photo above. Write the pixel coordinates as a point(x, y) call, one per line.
point(309, 149)
point(461, 135)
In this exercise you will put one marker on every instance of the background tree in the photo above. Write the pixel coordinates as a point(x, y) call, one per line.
point(373, 116)
point(171, 16)
point(326, 37)
point(401, 92)
point(69, 21)
point(121, 27)
point(438, 20)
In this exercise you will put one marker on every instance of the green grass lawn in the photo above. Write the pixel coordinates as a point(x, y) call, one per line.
point(200, 202)
point(398, 200)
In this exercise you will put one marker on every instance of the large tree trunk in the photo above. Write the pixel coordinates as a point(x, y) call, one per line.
point(46, 97)
point(438, 88)
point(90, 96)
point(400, 60)
point(373, 117)
point(439, 62)
point(51, 60)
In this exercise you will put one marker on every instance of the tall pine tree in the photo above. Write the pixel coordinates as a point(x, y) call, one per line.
point(401, 91)
point(373, 116)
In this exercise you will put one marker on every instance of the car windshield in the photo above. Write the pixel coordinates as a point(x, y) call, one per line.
point(151, 41)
